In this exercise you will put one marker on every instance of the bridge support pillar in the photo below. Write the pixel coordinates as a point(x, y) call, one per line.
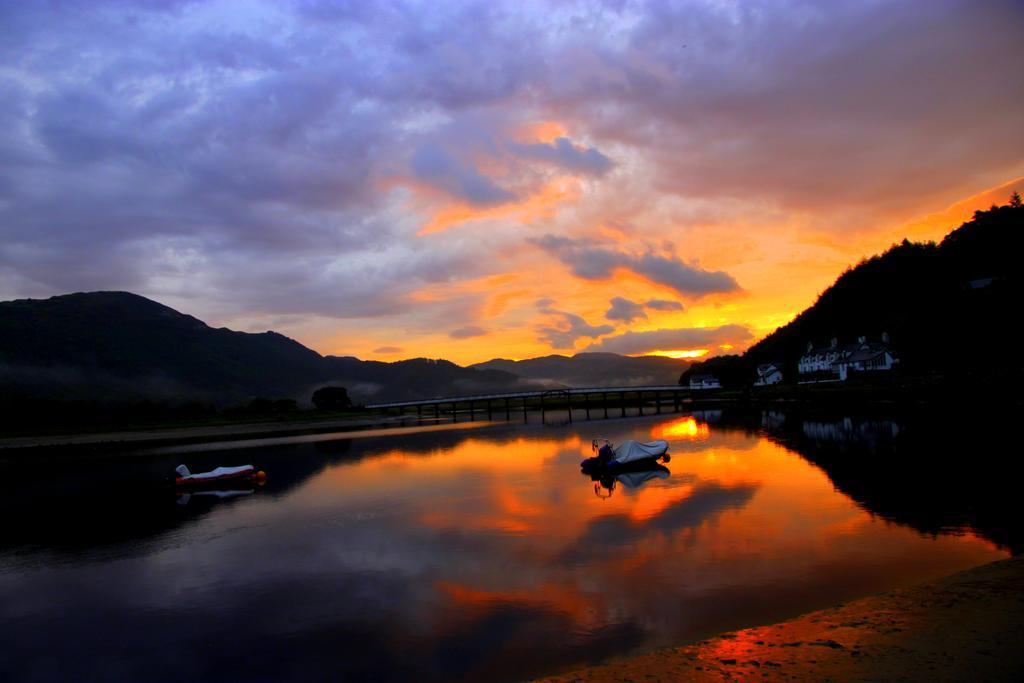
point(568, 401)
point(622, 403)
point(472, 412)
point(640, 401)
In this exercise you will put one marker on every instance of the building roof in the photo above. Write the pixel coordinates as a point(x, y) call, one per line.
point(822, 350)
point(847, 351)
point(703, 378)
point(865, 352)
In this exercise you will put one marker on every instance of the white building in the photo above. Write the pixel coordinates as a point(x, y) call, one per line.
point(837, 362)
point(866, 357)
point(767, 374)
point(704, 382)
point(819, 360)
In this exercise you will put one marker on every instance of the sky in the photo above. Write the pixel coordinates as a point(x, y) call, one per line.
point(470, 180)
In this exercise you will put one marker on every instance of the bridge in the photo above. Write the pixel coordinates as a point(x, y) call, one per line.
point(545, 399)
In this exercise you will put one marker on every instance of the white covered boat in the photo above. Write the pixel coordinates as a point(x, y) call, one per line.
point(242, 473)
point(632, 451)
point(627, 453)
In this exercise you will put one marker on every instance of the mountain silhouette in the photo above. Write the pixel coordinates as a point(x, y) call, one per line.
point(593, 369)
point(121, 346)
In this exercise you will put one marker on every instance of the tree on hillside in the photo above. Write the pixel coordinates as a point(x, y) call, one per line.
point(1015, 201)
point(331, 398)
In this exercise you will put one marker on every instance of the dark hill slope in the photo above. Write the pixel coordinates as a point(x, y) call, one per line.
point(121, 346)
point(950, 309)
point(418, 378)
point(593, 369)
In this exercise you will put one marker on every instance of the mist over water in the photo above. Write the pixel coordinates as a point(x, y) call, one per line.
point(472, 554)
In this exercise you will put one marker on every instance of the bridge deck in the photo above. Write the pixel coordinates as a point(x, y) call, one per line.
point(528, 394)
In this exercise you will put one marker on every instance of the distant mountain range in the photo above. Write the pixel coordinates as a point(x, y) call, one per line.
point(593, 369)
point(950, 309)
point(121, 346)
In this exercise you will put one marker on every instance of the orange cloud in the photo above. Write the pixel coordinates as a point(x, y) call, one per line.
point(542, 204)
point(542, 131)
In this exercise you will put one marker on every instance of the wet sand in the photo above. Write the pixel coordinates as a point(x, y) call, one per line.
point(181, 435)
point(965, 627)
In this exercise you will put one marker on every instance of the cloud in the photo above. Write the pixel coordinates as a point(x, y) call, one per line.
point(268, 161)
point(468, 332)
point(600, 262)
point(708, 500)
point(625, 310)
point(563, 153)
point(388, 349)
point(566, 328)
point(632, 343)
point(664, 305)
point(437, 167)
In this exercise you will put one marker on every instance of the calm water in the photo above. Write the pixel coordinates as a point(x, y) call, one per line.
point(479, 553)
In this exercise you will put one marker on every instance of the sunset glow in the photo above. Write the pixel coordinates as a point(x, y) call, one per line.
point(629, 183)
point(510, 340)
point(686, 353)
point(683, 428)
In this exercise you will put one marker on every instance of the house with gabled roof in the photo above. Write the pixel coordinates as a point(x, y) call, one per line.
point(819, 360)
point(767, 374)
point(865, 356)
point(837, 362)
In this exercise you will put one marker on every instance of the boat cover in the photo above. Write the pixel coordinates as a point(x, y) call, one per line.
point(631, 451)
point(220, 473)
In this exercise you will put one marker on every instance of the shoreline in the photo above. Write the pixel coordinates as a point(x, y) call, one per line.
point(127, 440)
point(865, 399)
point(961, 627)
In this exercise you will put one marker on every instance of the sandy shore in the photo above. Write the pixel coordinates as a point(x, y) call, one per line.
point(966, 627)
point(152, 437)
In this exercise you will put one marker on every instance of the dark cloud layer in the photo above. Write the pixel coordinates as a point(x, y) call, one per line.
point(625, 310)
point(388, 349)
point(263, 155)
point(664, 305)
point(468, 332)
point(563, 153)
point(599, 262)
point(671, 339)
point(564, 329)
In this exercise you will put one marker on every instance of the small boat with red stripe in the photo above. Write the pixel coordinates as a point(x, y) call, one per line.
point(243, 474)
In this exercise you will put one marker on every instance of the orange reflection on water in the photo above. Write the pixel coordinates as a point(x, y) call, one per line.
point(683, 428)
point(509, 519)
